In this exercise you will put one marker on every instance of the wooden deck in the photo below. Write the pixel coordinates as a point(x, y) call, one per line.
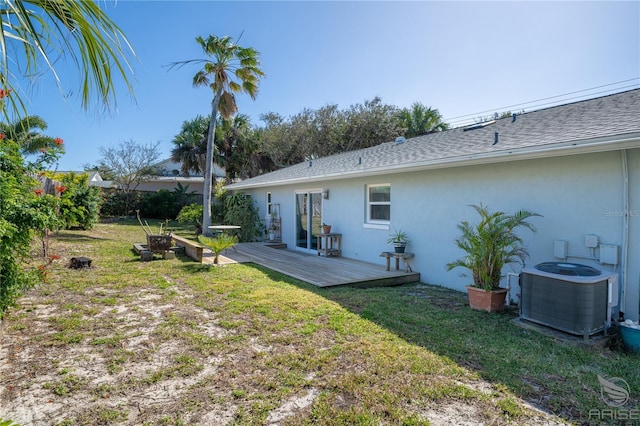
point(317, 270)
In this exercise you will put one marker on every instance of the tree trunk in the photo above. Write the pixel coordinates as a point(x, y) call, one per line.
point(208, 172)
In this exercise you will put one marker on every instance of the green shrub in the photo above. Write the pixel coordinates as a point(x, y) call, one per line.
point(192, 214)
point(159, 205)
point(165, 204)
point(119, 203)
point(79, 202)
point(183, 197)
point(23, 211)
point(239, 210)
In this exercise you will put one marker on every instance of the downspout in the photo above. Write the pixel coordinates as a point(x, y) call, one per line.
point(625, 231)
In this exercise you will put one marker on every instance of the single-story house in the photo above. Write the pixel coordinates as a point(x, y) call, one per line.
point(155, 183)
point(577, 165)
point(170, 183)
point(166, 175)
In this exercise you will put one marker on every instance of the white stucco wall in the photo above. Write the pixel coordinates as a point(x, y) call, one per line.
point(577, 195)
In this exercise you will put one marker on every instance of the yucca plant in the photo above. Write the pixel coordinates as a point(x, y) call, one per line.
point(491, 244)
point(218, 244)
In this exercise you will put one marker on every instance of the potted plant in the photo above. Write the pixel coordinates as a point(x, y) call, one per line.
point(273, 225)
point(399, 240)
point(272, 231)
point(489, 245)
point(326, 229)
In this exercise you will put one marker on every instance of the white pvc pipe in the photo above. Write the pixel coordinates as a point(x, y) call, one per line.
point(509, 275)
point(625, 231)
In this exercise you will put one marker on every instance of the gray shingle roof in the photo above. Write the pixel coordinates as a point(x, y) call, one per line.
point(595, 124)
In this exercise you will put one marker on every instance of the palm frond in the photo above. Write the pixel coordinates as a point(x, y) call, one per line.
point(491, 244)
point(41, 28)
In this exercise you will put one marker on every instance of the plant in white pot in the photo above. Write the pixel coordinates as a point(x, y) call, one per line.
point(273, 225)
point(489, 245)
point(399, 240)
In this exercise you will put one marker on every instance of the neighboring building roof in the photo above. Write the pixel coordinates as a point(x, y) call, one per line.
point(163, 180)
point(176, 179)
point(103, 184)
point(601, 124)
point(169, 167)
point(94, 175)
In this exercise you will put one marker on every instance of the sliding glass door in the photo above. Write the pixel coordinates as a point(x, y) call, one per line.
point(308, 219)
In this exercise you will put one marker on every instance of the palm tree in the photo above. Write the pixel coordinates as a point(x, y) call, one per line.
point(238, 149)
point(38, 28)
point(26, 133)
point(229, 140)
point(421, 120)
point(229, 61)
point(191, 145)
point(218, 244)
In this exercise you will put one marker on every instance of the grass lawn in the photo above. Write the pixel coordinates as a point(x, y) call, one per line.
point(173, 342)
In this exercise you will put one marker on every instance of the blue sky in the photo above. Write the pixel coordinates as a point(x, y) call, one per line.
point(460, 57)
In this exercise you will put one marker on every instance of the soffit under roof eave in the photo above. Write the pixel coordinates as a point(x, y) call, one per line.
point(628, 141)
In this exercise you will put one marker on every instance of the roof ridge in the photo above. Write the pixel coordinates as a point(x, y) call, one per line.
point(602, 123)
point(564, 105)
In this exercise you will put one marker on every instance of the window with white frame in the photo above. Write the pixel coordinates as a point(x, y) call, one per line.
point(379, 203)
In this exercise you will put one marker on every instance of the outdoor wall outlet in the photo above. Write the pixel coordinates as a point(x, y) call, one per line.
point(560, 249)
point(609, 254)
point(591, 241)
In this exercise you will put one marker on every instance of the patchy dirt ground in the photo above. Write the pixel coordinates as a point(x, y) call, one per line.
point(86, 349)
point(99, 382)
point(134, 375)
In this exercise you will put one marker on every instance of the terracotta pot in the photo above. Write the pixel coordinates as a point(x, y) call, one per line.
point(326, 229)
point(486, 300)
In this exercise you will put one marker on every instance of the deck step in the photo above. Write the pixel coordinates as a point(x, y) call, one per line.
point(276, 245)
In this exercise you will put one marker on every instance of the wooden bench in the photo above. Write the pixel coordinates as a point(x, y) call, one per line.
point(191, 248)
point(397, 256)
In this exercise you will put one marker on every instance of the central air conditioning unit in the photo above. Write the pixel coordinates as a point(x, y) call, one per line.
point(569, 297)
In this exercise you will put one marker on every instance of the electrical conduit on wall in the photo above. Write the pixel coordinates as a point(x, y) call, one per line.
point(625, 230)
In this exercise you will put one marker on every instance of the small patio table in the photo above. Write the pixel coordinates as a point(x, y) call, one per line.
point(219, 229)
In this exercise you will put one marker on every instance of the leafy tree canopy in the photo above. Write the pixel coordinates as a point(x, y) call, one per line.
point(130, 163)
point(328, 130)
